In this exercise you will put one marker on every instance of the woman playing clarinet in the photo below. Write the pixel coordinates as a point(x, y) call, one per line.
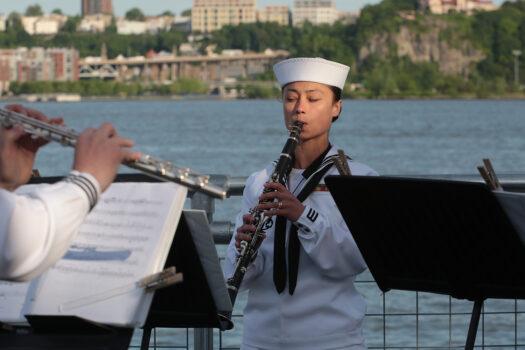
point(300, 284)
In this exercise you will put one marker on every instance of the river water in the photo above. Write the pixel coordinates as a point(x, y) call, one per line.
point(401, 137)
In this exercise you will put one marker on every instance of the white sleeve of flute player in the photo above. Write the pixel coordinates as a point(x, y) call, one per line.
point(37, 227)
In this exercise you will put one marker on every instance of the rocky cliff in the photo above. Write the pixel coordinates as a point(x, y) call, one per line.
point(432, 40)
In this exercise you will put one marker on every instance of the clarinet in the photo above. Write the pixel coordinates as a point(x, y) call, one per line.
point(156, 168)
point(249, 249)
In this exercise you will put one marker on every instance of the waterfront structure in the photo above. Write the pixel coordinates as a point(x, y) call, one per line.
point(276, 14)
point(93, 7)
point(166, 68)
point(94, 23)
point(210, 15)
point(38, 64)
point(43, 25)
point(314, 11)
point(466, 6)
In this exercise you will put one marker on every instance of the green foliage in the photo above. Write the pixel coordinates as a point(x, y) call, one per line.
point(261, 91)
point(89, 44)
point(500, 32)
point(186, 13)
point(382, 18)
point(71, 24)
point(57, 12)
point(34, 10)
point(135, 14)
point(109, 88)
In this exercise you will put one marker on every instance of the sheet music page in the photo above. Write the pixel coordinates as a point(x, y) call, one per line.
point(12, 299)
point(126, 237)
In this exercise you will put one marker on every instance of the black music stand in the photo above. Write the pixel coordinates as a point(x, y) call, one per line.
point(200, 301)
point(446, 237)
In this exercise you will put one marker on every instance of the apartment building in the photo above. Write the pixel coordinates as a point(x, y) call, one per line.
point(43, 25)
point(276, 14)
point(93, 7)
point(467, 6)
point(210, 15)
point(314, 11)
point(38, 64)
point(94, 23)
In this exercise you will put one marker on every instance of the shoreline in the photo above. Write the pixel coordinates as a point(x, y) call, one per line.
point(23, 99)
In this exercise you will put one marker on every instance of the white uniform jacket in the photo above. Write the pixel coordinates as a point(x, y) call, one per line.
point(325, 311)
point(36, 228)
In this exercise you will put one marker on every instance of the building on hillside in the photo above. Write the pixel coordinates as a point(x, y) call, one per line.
point(182, 23)
point(314, 11)
point(3, 23)
point(43, 25)
point(276, 14)
point(467, 6)
point(155, 24)
point(38, 64)
point(95, 23)
point(210, 15)
point(94, 7)
point(348, 17)
point(126, 27)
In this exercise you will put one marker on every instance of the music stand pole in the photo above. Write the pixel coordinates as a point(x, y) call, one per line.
point(474, 322)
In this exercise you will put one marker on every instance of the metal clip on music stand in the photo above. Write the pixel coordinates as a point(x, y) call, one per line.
point(445, 237)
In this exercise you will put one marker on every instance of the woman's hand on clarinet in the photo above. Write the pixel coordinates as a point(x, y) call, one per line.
point(18, 149)
point(244, 233)
point(280, 202)
point(100, 152)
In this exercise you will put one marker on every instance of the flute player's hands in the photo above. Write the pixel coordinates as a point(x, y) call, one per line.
point(100, 152)
point(18, 149)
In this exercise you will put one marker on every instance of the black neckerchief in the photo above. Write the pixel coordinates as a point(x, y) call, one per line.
point(314, 173)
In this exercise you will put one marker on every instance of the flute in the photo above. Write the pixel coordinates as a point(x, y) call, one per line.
point(156, 168)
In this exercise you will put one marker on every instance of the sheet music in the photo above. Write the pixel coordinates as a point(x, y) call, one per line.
point(126, 237)
point(12, 299)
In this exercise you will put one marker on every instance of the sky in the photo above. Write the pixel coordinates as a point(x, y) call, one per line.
point(154, 7)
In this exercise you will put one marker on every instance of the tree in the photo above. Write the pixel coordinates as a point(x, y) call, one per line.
point(57, 12)
point(186, 13)
point(135, 14)
point(34, 10)
point(167, 13)
point(14, 22)
point(71, 24)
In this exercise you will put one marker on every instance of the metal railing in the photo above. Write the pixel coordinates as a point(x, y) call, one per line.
point(395, 320)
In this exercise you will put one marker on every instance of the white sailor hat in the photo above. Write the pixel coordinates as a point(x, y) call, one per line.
point(317, 70)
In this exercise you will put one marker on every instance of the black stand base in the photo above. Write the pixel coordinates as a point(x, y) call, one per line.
point(146, 336)
point(65, 332)
point(473, 327)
